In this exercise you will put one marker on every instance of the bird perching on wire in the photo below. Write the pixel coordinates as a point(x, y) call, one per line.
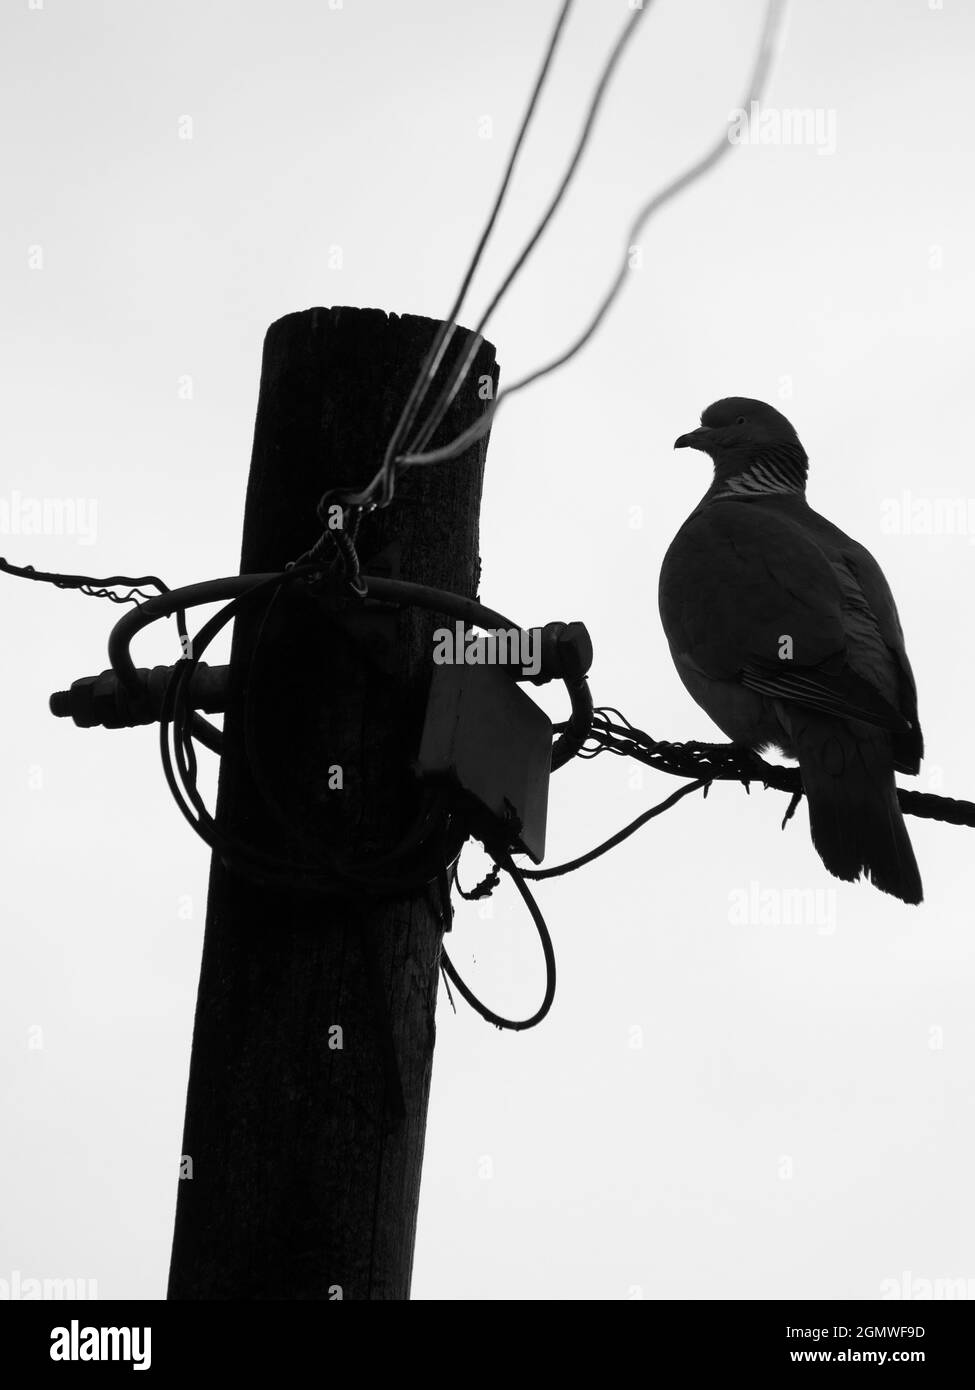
point(785, 631)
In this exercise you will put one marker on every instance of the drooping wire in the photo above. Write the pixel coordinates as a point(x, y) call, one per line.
point(473, 337)
point(517, 876)
point(416, 454)
point(559, 869)
point(384, 478)
point(451, 388)
point(721, 147)
point(101, 588)
point(94, 588)
point(490, 881)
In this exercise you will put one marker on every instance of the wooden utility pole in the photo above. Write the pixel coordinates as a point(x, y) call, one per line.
point(305, 1180)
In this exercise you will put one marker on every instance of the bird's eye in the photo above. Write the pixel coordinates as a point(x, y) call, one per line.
point(740, 420)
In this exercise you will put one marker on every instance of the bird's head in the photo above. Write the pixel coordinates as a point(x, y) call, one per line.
point(739, 433)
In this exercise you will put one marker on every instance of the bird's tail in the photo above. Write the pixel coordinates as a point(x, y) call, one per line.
point(856, 822)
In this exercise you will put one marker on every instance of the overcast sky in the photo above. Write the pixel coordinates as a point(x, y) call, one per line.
point(723, 1103)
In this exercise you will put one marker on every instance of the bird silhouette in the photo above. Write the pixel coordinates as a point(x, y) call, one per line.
point(785, 631)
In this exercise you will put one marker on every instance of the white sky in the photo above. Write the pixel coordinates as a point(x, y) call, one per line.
point(839, 286)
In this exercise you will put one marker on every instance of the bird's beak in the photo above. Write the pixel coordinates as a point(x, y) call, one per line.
point(697, 439)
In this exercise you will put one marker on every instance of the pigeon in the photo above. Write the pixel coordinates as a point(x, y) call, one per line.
point(785, 631)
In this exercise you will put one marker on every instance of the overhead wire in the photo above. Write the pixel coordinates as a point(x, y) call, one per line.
point(444, 334)
point(451, 388)
point(722, 146)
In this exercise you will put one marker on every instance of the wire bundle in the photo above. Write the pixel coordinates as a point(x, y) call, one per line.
point(380, 490)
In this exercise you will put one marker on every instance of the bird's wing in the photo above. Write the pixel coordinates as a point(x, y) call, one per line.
point(877, 650)
point(741, 577)
point(836, 690)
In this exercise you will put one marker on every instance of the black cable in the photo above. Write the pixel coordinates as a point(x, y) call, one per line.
point(452, 386)
point(102, 588)
point(698, 169)
point(483, 889)
point(468, 610)
point(382, 876)
point(514, 1025)
point(729, 762)
point(620, 835)
point(491, 879)
point(435, 353)
point(234, 586)
point(588, 125)
point(94, 588)
point(184, 789)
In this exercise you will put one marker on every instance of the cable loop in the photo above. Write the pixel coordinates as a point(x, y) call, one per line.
point(548, 951)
